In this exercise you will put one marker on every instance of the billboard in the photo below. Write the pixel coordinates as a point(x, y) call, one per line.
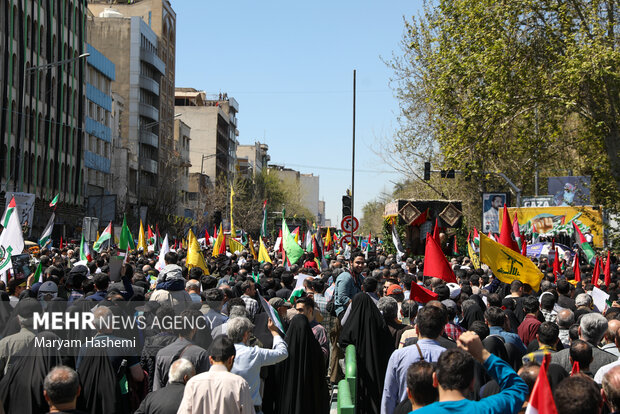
point(569, 191)
point(552, 221)
point(492, 204)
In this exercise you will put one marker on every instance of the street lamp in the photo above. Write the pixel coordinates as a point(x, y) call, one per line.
point(27, 71)
point(139, 180)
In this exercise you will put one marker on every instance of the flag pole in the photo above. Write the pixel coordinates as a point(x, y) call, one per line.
point(353, 165)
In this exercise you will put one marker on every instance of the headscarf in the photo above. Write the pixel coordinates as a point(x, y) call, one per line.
point(303, 388)
point(471, 314)
point(21, 389)
point(496, 346)
point(366, 329)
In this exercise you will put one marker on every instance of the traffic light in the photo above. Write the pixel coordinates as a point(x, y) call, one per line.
point(447, 173)
point(346, 205)
point(427, 171)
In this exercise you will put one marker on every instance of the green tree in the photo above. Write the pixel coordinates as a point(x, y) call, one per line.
point(512, 86)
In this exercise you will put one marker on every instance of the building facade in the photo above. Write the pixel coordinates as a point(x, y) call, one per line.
point(138, 75)
point(42, 68)
point(252, 159)
point(180, 164)
point(214, 132)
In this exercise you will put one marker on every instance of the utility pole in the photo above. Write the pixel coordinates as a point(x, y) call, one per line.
point(353, 165)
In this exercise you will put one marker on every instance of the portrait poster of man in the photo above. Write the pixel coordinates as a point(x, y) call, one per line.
point(491, 204)
point(570, 191)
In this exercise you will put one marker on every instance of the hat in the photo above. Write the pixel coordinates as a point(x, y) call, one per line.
point(278, 302)
point(222, 348)
point(22, 282)
point(394, 290)
point(48, 287)
point(449, 304)
point(455, 290)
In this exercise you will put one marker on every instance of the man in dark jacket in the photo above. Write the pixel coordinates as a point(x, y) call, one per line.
point(167, 400)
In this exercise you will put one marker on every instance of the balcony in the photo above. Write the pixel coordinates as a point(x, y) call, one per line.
point(149, 84)
point(149, 166)
point(149, 138)
point(149, 111)
point(152, 59)
point(148, 192)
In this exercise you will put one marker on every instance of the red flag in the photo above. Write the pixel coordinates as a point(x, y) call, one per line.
point(556, 265)
point(456, 247)
point(60, 242)
point(506, 236)
point(421, 294)
point(207, 242)
point(369, 237)
point(223, 245)
point(541, 398)
point(517, 233)
point(215, 232)
point(282, 241)
point(553, 243)
point(524, 248)
point(435, 262)
point(436, 230)
point(597, 272)
point(576, 269)
point(607, 271)
point(575, 369)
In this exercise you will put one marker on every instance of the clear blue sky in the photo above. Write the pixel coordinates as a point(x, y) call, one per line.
point(290, 67)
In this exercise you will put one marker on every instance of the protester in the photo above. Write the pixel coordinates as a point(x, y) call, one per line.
point(61, 389)
point(218, 391)
point(249, 360)
point(166, 400)
point(578, 394)
point(454, 376)
point(611, 389)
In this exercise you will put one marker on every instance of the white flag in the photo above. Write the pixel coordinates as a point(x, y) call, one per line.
point(165, 248)
point(11, 239)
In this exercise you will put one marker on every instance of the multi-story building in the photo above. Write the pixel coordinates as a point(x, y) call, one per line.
point(98, 123)
point(214, 131)
point(42, 118)
point(180, 164)
point(138, 74)
point(252, 159)
point(303, 186)
point(161, 19)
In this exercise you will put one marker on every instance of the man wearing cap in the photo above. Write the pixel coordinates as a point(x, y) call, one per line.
point(12, 344)
point(218, 391)
point(281, 306)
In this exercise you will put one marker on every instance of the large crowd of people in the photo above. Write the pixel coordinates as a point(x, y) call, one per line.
point(270, 337)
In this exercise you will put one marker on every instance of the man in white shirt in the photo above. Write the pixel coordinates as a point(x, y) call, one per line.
point(218, 391)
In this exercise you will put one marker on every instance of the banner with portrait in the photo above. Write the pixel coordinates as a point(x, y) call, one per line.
point(552, 221)
point(492, 204)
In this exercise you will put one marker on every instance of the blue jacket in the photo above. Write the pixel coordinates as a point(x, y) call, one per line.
point(346, 287)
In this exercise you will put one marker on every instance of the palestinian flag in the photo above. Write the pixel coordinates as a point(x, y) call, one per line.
point(585, 246)
point(106, 236)
point(54, 201)
point(11, 208)
point(308, 241)
point(46, 237)
point(150, 237)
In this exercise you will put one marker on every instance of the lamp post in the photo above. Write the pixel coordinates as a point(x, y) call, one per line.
point(139, 179)
point(27, 71)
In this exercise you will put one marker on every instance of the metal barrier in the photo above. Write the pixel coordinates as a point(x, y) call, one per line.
point(347, 386)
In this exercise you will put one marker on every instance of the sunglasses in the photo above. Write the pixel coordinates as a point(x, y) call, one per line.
point(300, 310)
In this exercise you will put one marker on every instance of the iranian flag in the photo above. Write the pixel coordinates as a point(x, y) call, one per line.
point(585, 246)
point(263, 226)
point(47, 233)
point(106, 236)
point(85, 251)
point(541, 398)
point(11, 238)
point(54, 201)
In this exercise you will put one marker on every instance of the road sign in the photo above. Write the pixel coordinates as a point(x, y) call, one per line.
point(344, 240)
point(348, 222)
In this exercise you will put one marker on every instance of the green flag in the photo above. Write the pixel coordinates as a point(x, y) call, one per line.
point(126, 239)
point(292, 249)
point(37, 273)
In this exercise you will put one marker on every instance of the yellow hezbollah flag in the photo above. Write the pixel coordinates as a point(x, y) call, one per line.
point(328, 239)
point(263, 256)
point(252, 249)
point(508, 265)
point(218, 242)
point(194, 254)
point(234, 245)
point(141, 238)
point(475, 260)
